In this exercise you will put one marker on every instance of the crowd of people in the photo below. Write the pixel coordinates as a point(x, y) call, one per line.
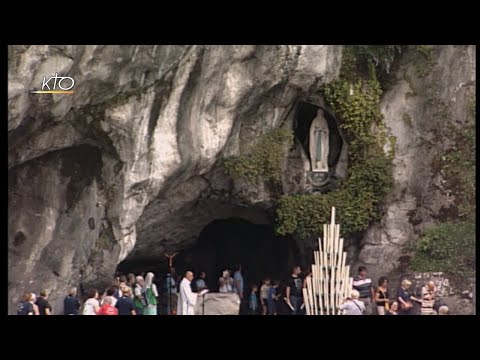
point(139, 295)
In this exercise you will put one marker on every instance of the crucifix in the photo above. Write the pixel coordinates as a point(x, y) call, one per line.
point(170, 259)
point(169, 283)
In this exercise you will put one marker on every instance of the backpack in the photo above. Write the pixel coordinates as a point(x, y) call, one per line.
point(150, 297)
point(139, 304)
point(24, 308)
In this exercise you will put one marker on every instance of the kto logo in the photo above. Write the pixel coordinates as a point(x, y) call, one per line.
point(64, 83)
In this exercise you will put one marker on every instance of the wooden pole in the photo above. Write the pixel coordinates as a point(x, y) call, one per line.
point(313, 297)
point(315, 276)
point(305, 300)
point(330, 282)
point(327, 282)
point(339, 279)
point(320, 284)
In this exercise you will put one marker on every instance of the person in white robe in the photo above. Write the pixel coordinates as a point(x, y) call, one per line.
point(187, 298)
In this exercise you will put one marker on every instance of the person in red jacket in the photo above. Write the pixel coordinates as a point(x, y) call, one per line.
point(107, 308)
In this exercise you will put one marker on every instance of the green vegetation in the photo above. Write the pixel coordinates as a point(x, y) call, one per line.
point(449, 248)
point(355, 100)
point(424, 61)
point(367, 61)
point(263, 161)
point(472, 107)
point(458, 168)
point(103, 242)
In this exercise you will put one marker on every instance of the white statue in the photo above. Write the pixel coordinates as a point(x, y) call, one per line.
point(319, 143)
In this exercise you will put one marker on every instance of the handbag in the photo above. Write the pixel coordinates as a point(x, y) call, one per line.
point(408, 305)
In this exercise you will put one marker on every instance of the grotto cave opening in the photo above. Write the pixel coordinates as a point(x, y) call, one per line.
point(222, 244)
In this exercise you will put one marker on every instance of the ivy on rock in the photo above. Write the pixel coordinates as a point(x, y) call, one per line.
point(355, 99)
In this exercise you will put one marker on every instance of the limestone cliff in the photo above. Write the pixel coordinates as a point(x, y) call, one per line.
point(126, 160)
point(131, 163)
point(432, 98)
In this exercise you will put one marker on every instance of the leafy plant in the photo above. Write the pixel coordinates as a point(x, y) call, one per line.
point(262, 161)
point(369, 177)
point(367, 61)
point(458, 168)
point(447, 247)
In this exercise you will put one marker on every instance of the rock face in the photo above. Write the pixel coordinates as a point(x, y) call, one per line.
point(430, 93)
point(131, 163)
point(131, 158)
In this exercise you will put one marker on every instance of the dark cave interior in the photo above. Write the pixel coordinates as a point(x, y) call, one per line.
point(221, 245)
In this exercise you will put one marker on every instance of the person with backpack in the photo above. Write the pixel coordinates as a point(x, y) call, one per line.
point(151, 295)
point(139, 295)
point(25, 306)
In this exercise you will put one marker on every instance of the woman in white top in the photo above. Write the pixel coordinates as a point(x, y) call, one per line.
point(92, 305)
point(151, 295)
point(225, 283)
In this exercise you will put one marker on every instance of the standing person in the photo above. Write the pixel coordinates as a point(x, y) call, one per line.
point(170, 287)
point(428, 299)
point(294, 293)
point(131, 280)
point(71, 305)
point(405, 298)
point(92, 305)
point(125, 303)
point(238, 281)
point(352, 305)
point(187, 299)
point(225, 283)
point(264, 295)
point(122, 282)
point(151, 295)
point(201, 282)
point(25, 306)
point(253, 302)
point(107, 308)
point(272, 298)
point(139, 295)
point(381, 296)
point(33, 300)
point(363, 285)
point(110, 292)
point(44, 308)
